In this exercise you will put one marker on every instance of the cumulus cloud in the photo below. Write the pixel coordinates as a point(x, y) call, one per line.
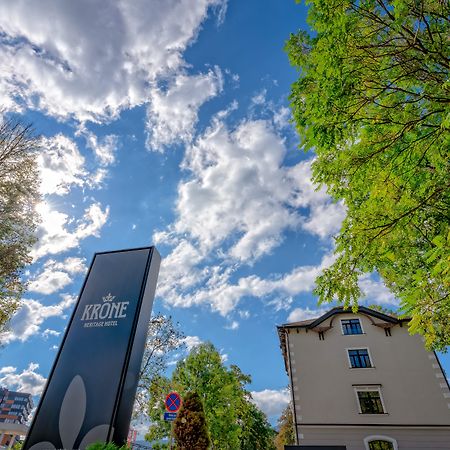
point(61, 165)
point(32, 314)
point(56, 275)
point(236, 180)
point(104, 148)
point(235, 206)
point(49, 281)
point(325, 217)
point(239, 187)
point(299, 314)
point(222, 295)
point(91, 59)
point(375, 291)
point(48, 332)
point(28, 380)
point(172, 112)
point(271, 402)
point(54, 235)
point(191, 342)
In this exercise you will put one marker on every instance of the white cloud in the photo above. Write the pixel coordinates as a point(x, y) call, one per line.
point(73, 265)
point(299, 314)
point(325, 219)
point(49, 281)
point(259, 98)
point(237, 187)
point(282, 117)
point(234, 207)
point(91, 59)
point(61, 165)
point(271, 402)
point(48, 332)
point(32, 314)
point(375, 291)
point(223, 296)
point(54, 237)
point(28, 381)
point(244, 314)
point(56, 275)
point(234, 325)
point(191, 342)
point(281, 302)
point(104, 148)
point(172, 112)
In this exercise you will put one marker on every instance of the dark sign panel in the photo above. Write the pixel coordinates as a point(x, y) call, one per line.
point(90, 391)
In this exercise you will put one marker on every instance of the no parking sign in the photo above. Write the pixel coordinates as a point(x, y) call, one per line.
point(173, 404)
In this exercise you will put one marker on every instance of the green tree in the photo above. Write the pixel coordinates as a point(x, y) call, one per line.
point(257, 434)
point(160, 386)
point(286, 430)
point(373, 101)
point(190, 429)
point(220, 388)
point(230, 415)
point(19, 193)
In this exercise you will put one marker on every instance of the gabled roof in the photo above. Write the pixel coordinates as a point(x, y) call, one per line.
point(313, 324)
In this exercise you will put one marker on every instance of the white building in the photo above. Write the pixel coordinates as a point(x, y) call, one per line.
point(362, 382)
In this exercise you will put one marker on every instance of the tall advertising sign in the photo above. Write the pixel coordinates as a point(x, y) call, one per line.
point(90, 391)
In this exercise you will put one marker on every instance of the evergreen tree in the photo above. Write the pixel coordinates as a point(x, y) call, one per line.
point(190, 430)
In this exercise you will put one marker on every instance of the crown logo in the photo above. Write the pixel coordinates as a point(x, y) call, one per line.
point(109, 298)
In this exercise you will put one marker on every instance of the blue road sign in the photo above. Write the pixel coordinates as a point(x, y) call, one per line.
point(173, 402)
point(170, 417)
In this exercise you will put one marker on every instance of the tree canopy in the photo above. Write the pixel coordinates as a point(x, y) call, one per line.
point(164, 337)
point(373, 102)
point(286, 430)
point(19, 193)
point(234, 422)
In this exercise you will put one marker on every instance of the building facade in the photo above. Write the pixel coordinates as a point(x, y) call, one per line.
point(15, 407)
point(362, 382)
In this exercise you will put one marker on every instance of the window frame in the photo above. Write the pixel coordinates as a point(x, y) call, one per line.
point(372, 365)
point(379, 437)
point(352, 334)
point(363, 388)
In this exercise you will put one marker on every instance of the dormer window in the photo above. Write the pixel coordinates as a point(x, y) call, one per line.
point(351, 326)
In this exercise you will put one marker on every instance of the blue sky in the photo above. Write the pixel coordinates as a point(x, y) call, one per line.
point(167, 123)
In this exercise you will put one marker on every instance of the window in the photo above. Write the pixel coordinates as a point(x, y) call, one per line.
point(370, 401)
point(351, 326)
point(381, 445)
point(359, 358)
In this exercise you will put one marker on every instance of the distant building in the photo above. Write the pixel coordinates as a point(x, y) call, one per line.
point(362, 382)
point(15, 407)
